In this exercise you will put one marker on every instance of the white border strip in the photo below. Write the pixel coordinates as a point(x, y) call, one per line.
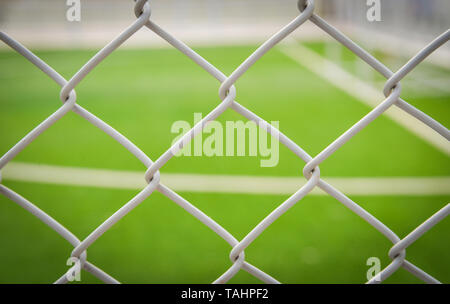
point(114, 179)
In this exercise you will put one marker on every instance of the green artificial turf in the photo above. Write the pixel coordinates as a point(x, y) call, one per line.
point(141, 93)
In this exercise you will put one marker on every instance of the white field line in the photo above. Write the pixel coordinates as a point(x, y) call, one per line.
point(101, 178)
point(398, 45)
point(362, 91)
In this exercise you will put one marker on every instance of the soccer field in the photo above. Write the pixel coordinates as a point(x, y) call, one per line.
point(141, 93)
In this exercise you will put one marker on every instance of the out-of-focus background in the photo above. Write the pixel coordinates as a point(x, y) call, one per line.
point(217, 22)
point(397, 168)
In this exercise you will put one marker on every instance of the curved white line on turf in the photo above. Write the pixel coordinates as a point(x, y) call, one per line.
point(361, 90)
point(103, 178)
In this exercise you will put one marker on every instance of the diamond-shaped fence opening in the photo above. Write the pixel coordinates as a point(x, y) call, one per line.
point(228, 95)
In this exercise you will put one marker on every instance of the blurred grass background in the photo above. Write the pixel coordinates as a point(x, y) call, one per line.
point(141, 93)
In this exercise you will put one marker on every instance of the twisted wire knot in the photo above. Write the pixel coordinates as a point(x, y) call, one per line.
point(227, 92)
point(310, 169)
point(152, 177)
point(304, 4)
point(69, 98)
point(397, 251)
point(139, 7)
point(390, 85)
point(237, 257)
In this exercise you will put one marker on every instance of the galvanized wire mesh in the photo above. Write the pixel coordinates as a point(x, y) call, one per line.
point(227, 94)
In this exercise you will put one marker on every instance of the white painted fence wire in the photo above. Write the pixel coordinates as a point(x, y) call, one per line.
point(227, 94)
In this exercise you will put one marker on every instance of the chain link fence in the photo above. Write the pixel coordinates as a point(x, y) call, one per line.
point(228, 94)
